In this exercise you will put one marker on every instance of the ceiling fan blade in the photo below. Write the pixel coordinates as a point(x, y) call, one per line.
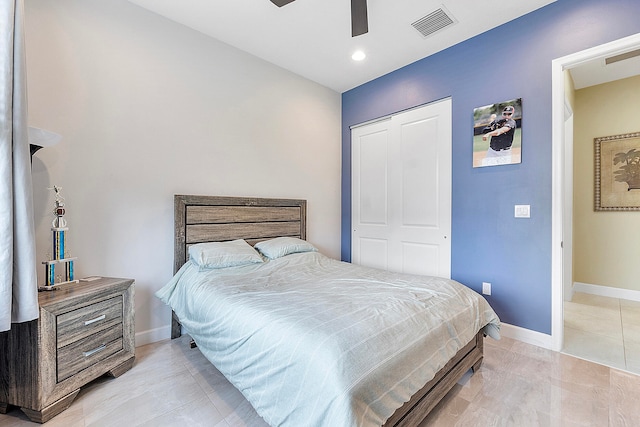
point(359, 20)
point(281, 3)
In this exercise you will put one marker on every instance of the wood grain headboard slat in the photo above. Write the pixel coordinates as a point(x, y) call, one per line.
point(199, 233)
point(236, 214)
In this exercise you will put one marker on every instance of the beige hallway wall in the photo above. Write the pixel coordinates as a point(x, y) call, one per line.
point(606, 245)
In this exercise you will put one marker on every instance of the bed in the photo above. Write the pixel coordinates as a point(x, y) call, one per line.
point(341, 378)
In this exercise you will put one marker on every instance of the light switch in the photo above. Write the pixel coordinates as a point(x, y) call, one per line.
point(523, 211)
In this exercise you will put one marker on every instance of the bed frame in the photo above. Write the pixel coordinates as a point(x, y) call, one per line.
point(201, 219)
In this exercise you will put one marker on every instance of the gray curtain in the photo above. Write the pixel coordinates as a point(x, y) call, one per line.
point(18, 286)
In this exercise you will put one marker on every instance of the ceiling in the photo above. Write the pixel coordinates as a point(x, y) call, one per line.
point(312, 38)
point(607, 69)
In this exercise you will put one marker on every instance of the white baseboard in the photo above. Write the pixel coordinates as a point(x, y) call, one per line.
point(153, 335)
point(606, 291)
point(526, 335)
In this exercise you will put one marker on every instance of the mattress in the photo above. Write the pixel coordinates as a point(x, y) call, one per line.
point(313, 341)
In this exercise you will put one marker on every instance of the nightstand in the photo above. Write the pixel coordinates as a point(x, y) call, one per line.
point(85, 330)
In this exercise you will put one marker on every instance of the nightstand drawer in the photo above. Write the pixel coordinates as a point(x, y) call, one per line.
point(78, 324)
point(88, 351)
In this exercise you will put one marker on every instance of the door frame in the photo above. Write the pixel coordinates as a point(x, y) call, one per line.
point(560, 165)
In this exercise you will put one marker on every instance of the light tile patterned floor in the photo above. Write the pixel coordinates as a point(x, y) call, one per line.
point(602, 329)
point(517, 385)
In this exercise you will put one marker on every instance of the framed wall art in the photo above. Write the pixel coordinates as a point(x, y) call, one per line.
point(617, 172)
point(497, 134)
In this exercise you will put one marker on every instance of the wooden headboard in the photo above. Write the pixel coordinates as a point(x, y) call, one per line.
point(200, 219)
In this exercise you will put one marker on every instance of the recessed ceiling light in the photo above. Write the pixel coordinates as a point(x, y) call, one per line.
point(358, 55)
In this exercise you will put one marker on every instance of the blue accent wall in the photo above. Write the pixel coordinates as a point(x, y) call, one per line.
point(511, 61)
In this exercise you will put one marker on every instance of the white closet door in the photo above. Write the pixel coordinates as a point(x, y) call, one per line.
point(401, 192)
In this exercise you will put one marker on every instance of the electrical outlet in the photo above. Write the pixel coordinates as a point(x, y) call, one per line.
point(486, 288)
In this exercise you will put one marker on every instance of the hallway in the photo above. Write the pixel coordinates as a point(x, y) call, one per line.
point(604, 330)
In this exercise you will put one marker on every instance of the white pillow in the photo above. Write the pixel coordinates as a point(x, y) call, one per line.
point(281, 246)
point(223, 254)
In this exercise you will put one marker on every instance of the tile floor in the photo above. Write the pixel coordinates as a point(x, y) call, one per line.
point(518, 385)
point(604, 330)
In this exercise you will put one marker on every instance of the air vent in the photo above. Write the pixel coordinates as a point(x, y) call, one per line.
point(622, 57)
point(433, 22)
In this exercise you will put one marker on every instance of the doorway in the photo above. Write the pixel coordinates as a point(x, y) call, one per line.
point(562, 167)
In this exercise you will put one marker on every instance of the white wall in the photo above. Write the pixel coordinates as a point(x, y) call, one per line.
point(147, 109)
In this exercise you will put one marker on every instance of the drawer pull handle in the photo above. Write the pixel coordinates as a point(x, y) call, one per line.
point(94, 351)
point(97, 319)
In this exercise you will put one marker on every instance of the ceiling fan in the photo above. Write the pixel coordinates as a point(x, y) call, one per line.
point(359, 21)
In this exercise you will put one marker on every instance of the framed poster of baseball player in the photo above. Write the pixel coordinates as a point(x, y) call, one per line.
point(497, 134)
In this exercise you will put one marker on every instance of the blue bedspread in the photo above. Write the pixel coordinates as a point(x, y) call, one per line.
point(311, 341)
